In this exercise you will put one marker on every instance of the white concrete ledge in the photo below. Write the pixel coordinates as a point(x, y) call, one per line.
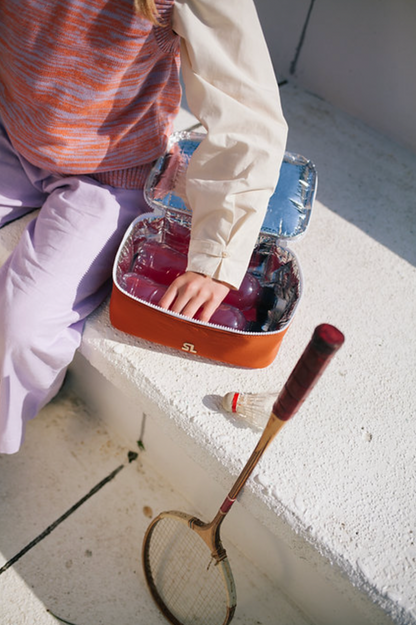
point(329, 514)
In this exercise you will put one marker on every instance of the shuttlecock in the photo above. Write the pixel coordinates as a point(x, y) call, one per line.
point(254, 408)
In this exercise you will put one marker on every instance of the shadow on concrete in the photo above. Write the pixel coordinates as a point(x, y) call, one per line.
point(363, 176)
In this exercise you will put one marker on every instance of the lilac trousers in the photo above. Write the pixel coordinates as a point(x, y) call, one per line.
point(58, 273)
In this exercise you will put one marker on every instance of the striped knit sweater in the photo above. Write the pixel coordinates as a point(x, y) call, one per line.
point(87, 86)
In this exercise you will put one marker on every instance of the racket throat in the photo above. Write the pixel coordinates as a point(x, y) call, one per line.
point(210, 534)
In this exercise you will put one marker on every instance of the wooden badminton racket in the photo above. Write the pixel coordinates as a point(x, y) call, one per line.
point(185, 564)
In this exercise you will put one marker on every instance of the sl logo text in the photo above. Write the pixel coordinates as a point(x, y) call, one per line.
point(189, 347)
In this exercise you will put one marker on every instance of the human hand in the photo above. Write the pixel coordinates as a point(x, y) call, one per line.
point(192, 292)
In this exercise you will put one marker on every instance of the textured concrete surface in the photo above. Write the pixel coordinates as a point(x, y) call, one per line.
point(345, 465)
point(335, 492)
point(88, 569)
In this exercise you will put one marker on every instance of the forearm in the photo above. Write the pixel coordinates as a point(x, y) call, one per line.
point(231, 88)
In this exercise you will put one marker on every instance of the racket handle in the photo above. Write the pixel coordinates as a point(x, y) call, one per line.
point(325, 342)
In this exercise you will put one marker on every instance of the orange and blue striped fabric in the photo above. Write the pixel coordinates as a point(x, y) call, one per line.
point(88, 86)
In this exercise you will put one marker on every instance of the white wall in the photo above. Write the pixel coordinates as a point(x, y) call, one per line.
point(360, 55)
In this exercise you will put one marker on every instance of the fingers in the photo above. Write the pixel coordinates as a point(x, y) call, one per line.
point(168, 297)
point(194, 293)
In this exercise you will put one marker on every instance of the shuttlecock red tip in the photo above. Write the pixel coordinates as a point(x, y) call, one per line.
point(229, 402)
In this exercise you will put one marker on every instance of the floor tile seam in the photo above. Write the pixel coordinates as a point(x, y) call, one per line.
point(131, 457)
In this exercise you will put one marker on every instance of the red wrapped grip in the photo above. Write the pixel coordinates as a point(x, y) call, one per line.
point(325, 342)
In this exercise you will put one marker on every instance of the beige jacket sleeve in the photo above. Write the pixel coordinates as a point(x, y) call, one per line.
point(231, 88)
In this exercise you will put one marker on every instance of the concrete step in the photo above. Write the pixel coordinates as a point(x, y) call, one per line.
point(327, 515)
point(88, 568)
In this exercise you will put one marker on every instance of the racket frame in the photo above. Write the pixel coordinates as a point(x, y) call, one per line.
point(209, 533)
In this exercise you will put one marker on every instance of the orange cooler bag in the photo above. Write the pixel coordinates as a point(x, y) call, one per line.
point(249, 327)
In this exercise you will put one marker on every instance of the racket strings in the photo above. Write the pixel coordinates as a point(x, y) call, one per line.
point(179, 566)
